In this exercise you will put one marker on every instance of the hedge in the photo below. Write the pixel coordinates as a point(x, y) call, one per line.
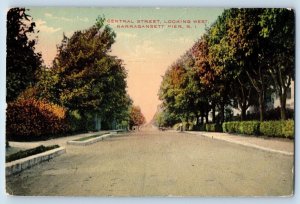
point(32, 119)
point(277, 128)
point(244, 127)
point(267, 128)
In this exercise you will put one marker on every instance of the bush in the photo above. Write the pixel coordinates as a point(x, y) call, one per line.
point(271, 128)
point(213, 127)
point(277, 128)
point(186, 126)
point(31, 119)
point(244, 127)
point(231, 127)
point(29, 152)
point(249, 127)
point(288, 128)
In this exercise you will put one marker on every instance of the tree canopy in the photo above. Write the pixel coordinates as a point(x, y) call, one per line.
point(86, 78)
point(243, 56)
point(22, 61)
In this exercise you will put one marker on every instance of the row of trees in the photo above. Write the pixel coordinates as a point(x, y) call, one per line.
point(85, 80)
point(245, 55)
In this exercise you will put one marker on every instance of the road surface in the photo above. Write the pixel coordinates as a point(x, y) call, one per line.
point(159, 163)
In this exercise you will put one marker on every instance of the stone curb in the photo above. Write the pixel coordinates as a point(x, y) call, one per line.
point(19, 165)
point(92, 140)
point(244, 144)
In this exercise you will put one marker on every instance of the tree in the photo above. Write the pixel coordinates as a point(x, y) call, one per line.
point(221, 70)
point(86, 78)
point(136, 117)
point(163, 118)
point(22, 61)
point(247, 48)
point(205, 79)
point(278, 28)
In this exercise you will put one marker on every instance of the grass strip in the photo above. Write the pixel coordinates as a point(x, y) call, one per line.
point(90, 137)
point(29, 152)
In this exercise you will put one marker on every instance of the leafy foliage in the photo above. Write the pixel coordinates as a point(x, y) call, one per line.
point(242, 58)
point(34, 120)
point(267, 128)
point(136, 117)
point(277, 128)
point(21, 60)
point(85, 78)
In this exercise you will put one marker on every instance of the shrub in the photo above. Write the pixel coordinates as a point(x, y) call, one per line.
point(278, 128)
point(271, 128)
point(186, 126)
point(231, 127)
point(29, 152)
point(31, 119)
point(249, 127)
point(244, 127)
point(288, 128)
point(213, 127)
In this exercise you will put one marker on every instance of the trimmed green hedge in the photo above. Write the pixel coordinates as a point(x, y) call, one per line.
point(249, 127)
point(277, 128)
point(267, 128)
point(244, 127)
point(29, 152)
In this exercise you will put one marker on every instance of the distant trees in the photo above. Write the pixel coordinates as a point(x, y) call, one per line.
point(245, 54)
point(22, 62)
point(136, 117)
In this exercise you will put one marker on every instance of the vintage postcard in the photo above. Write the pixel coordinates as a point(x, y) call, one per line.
point(150, 101)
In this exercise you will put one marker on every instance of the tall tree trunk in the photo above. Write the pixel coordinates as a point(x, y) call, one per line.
point(197, 119)
point(259, 86)
point(243, 112)
point(283, 106)
point(222, 112)
point(261, 102)
point(214, 113)
point(206, 117)
point(187, 122)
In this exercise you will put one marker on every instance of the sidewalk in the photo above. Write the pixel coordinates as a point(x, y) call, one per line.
point(277, 145)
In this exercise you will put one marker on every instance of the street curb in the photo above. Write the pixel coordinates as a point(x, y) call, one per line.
point(92, 140)
point(245, 144)
point(19, 165)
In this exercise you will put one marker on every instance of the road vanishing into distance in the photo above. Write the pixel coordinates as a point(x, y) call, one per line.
point(158, 163)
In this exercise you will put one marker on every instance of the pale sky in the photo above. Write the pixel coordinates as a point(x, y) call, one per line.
point(147, 53)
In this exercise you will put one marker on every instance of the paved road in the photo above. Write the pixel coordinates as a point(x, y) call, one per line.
point(149, 162)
